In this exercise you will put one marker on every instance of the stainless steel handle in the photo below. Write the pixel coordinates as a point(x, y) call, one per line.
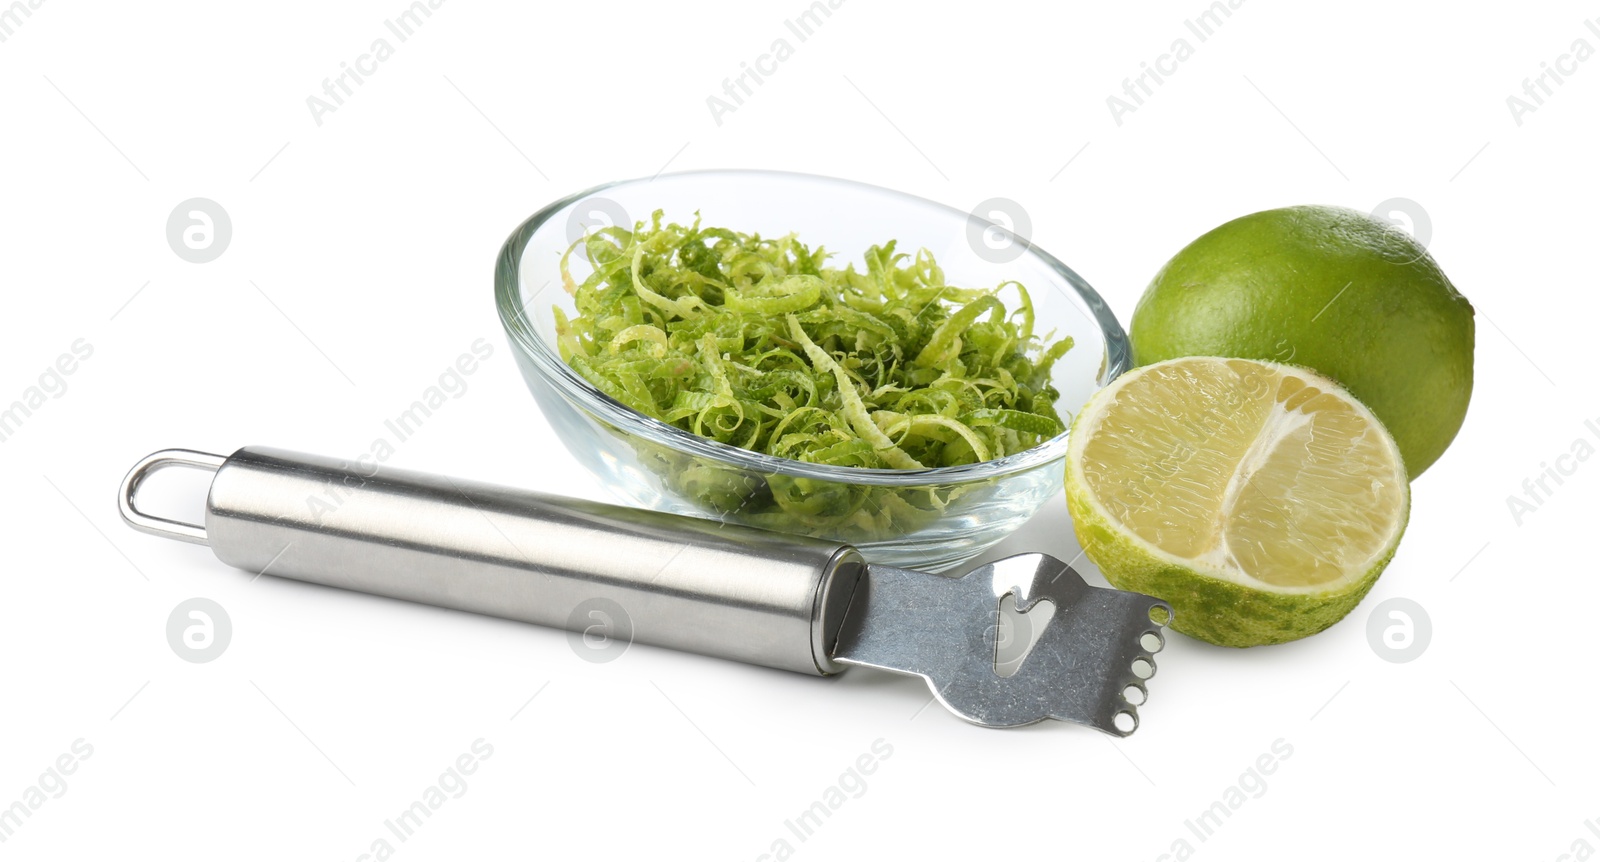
point(684, 583)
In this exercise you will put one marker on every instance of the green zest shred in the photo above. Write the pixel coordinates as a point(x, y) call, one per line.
point(759, 344)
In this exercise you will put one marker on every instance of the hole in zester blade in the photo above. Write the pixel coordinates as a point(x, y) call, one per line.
point(1017, 632)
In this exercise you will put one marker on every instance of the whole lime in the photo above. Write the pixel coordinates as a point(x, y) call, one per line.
point(1331, 289)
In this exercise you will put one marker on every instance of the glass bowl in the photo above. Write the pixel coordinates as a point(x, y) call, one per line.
point(929, 519)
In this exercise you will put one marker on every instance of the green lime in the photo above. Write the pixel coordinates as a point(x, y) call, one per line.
point(1260, 500)
point(1333, 290)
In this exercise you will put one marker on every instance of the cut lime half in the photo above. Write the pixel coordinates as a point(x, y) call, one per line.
point(1260, 500)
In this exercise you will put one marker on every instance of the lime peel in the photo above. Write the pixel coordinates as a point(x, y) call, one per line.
point(928, 373)
point(760, 343)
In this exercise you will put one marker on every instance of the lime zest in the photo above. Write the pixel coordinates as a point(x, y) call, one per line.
point(760, 343)
point(855, 412)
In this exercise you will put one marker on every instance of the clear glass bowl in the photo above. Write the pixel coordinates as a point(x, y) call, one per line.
point(929, 519)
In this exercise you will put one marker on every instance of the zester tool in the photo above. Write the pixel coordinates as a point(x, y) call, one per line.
point(788, 602)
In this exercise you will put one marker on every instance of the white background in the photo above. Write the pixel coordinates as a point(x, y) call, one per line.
point(360, 268)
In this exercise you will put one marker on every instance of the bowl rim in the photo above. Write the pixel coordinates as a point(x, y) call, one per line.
point(570, 385)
